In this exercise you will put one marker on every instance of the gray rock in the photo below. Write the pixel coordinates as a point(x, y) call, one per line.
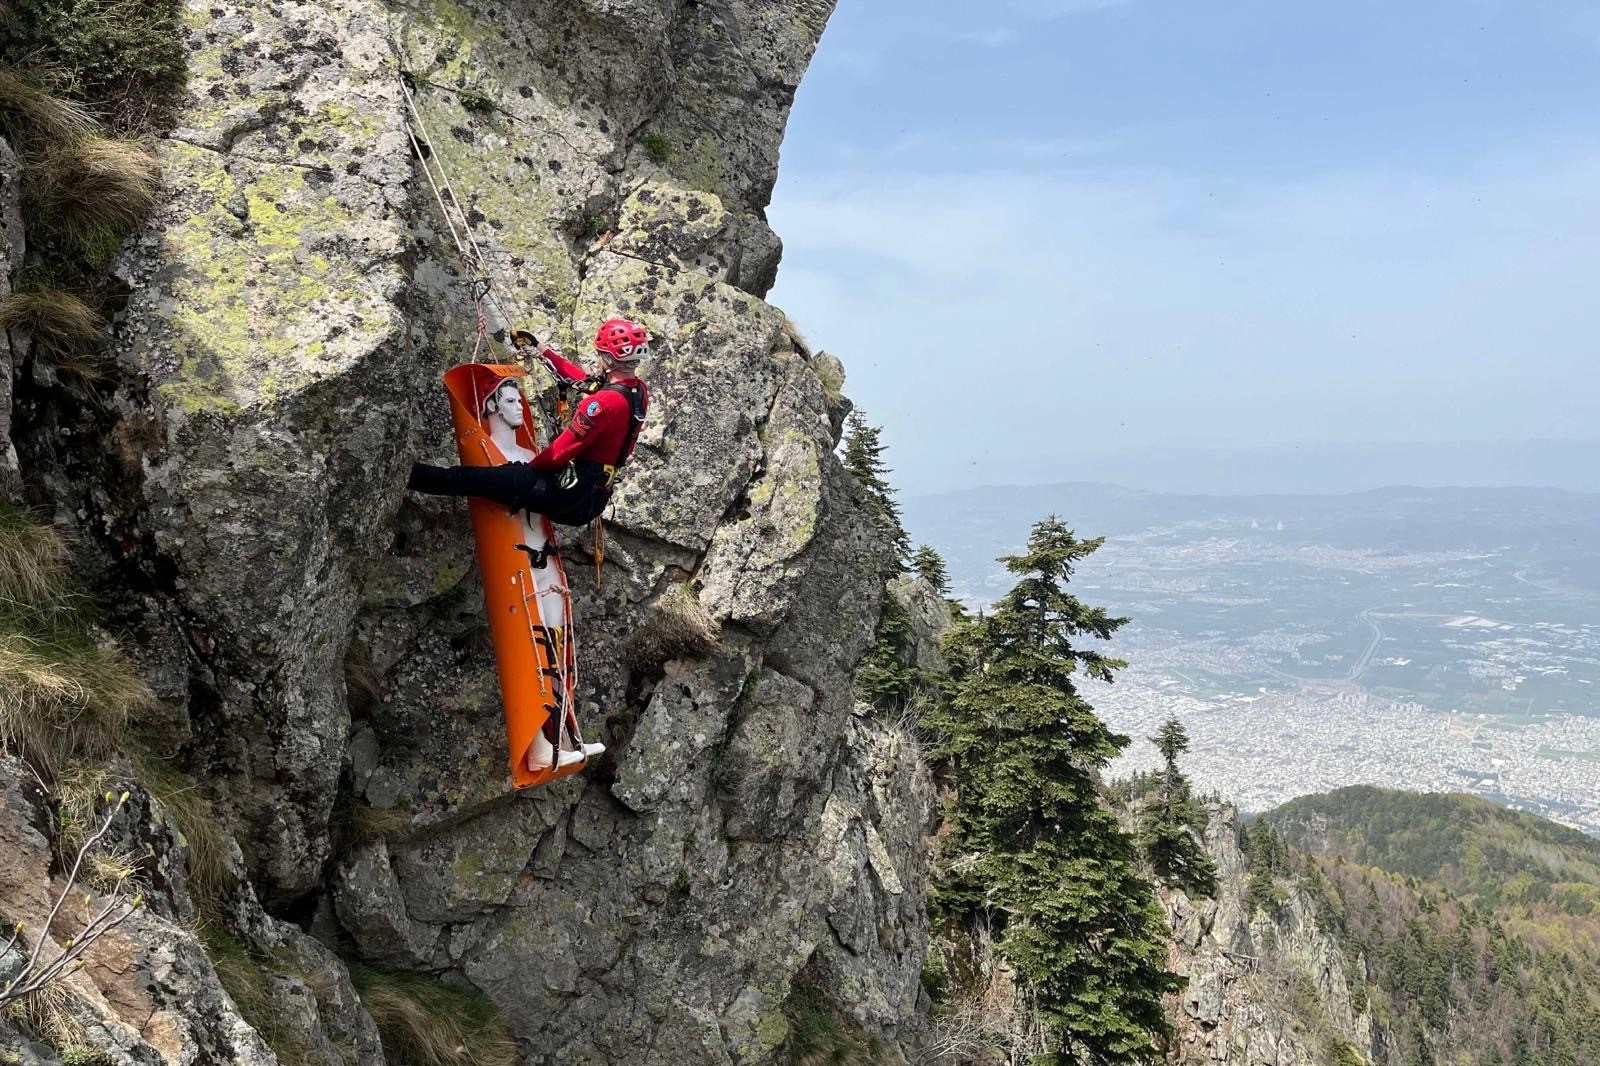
point(372, 909)
point(929, 617)
point(321, 635)
point(264, 322)
point(13, 248)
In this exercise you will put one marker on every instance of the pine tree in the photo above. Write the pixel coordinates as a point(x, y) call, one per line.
point(1032, 848)
point(1170, 818)
point(863, 457)
point(884, 679)
point(929, 565)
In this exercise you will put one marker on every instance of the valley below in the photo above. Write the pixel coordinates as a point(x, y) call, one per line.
point(1430, 640)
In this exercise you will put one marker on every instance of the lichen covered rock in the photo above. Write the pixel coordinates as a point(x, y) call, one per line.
point(316, 635)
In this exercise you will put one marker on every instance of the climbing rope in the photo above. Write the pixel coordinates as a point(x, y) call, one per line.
point(468, 249)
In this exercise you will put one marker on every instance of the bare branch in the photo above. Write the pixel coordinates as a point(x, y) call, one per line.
point(33, 978)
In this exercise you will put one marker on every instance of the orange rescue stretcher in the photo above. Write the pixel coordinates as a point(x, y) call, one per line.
point(524, 587)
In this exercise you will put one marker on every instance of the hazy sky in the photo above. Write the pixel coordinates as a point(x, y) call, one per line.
point(1087, 227)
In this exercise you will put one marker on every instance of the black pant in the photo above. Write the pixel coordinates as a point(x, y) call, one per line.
point(521, 487)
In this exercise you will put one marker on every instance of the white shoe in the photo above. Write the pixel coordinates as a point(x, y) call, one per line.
point(591, 750)
point(570, 757)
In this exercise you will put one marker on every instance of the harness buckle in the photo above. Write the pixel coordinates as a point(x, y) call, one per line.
point(537, 559)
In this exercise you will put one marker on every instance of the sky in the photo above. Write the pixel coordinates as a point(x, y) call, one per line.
point(1062, 240)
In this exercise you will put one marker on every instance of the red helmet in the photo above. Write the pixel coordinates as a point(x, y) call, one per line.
point(622, 341)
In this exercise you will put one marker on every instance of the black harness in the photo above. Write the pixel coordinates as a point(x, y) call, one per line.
point(635, 396)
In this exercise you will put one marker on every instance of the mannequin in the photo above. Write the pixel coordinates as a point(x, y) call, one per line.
point(504, 413)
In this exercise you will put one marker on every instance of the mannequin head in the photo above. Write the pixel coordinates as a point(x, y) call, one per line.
point(506, 402)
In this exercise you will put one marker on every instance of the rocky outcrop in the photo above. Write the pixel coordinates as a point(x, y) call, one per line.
point(149, 993)
point(316, 636)
point(12, 249)
point(1265, 989)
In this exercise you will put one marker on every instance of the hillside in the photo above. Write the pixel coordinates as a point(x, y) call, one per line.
point(1484, 853)
point(1357, 962)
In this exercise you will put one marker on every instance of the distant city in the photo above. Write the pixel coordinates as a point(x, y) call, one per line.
point(1435, 640)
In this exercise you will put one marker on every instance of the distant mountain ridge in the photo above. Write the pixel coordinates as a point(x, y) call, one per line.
point(971, 526)
point(1330, 468)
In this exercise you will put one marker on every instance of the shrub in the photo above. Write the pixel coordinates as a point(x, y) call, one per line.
point(126, 55)
point(817, 1038)
point(658, 146)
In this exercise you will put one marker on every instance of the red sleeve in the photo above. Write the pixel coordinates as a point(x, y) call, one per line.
point(570, 372)
point(561, 451)
point(584, 427)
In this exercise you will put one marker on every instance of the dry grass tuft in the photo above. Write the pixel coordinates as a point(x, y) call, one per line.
point(205, 834)
point(97, 184)
point(370, 823)
point(32, 112)
point(47, 1016)
point(426, 1023)
point(55, 319)
point(678, 626)
point(830, 372)
point(247, 975)
point(796, 338)
point(63, 697)
point(363, 685)
point(33, 563)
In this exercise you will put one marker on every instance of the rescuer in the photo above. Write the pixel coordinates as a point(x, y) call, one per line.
point(570, 481)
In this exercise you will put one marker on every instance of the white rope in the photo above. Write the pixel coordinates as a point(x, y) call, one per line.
point(471, 253)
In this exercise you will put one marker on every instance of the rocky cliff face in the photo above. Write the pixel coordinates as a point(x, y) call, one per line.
point(1265, 989)
point(316, 637)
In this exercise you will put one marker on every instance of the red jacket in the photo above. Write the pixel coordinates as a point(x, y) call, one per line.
point(602, 423)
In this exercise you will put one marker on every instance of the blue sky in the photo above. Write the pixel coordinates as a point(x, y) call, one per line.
point(1086, 228)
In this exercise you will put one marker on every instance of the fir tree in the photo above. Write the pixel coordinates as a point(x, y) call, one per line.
point(929, 565)
point(884, 679)
point(1170, 818)
point(863, 457)
point(1032, 849)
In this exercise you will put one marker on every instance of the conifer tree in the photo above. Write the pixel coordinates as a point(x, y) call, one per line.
point(884, 679)
point(863, 456)
point(1033, 851)
point(1170, 818)
point(929, 565)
